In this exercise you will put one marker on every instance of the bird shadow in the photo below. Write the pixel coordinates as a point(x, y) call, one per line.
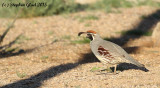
point(91, 58)
point(127, 66)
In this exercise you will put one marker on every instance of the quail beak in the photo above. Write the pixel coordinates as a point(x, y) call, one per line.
point(79, 34)
point(88, 35)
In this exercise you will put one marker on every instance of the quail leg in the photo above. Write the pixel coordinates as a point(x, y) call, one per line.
point(115, 67)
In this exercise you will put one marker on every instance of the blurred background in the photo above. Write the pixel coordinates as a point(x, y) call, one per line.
point(56, 7)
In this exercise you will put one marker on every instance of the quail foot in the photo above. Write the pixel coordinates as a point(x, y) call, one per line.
point(108, 52)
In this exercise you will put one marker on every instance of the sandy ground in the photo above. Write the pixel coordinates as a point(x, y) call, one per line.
point(46, 58)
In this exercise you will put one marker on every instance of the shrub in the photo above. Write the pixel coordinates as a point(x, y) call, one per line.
point(52, 7)
point(66, 6)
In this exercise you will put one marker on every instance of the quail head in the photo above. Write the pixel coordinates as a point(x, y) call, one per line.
point(108, 52)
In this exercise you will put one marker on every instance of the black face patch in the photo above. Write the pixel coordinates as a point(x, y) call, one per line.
point(89, 36)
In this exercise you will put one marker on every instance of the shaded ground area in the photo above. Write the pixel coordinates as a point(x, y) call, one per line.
point(46, 56)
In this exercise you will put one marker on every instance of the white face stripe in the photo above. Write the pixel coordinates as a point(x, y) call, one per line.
point(93, 35)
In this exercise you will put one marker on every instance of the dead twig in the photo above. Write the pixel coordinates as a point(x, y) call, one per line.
point(9, 27)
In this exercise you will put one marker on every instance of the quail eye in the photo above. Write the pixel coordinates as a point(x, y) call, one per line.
point(89, 36)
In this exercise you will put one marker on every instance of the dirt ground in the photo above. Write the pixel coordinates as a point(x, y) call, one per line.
point(45, 57)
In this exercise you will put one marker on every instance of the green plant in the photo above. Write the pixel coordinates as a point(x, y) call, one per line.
point(50, 7)
point(55, 40)
point(109, 5)
point(50, 32)
point(82, 41)
point(88, 17)
point(78, 86)
point(107, 69)
point(148, 2)
point(35, 22)
point(68, 37)
point(99, 69)
point(21, 39)
point(95, 69)
point(112, 5)
point(11, 49)
point(44, 57)
point(143, 17)
point(21, 75)
point(87, 25)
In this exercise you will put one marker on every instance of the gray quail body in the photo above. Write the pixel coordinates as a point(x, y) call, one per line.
point(108, 52)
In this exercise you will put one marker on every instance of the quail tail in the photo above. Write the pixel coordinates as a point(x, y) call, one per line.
point(136, 62)
point(142, 67)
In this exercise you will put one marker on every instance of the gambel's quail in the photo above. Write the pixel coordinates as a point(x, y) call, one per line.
point(108, 52)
